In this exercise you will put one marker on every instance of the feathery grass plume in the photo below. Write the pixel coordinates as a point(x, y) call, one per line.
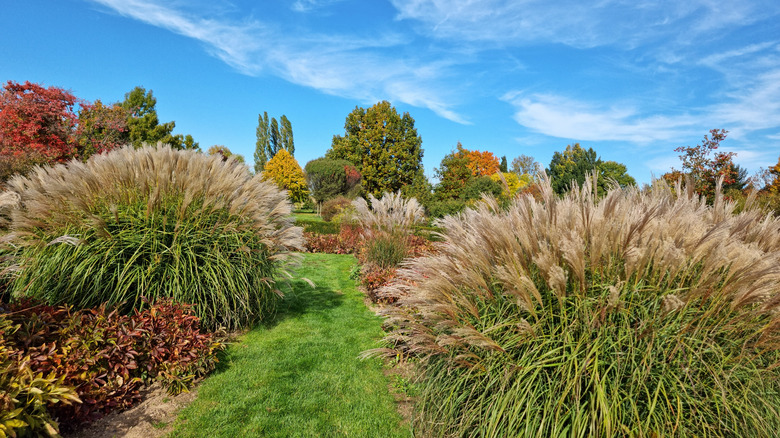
point(644, 313)
point(391, 213)
point(152, 222)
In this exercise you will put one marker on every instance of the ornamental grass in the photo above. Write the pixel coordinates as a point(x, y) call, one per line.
point(640, 314)
point(132, 226)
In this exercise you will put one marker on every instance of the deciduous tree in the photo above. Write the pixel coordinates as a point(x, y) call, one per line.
point(383, 145)
point(573, 164)
point(703, 165)
point(100, 128)
point(144, 126)
point(36, 123)
point(526, 165)
point(285, 171)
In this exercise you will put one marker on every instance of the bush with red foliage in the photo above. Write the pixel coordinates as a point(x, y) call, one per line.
point(348, 241)
point(107, 357)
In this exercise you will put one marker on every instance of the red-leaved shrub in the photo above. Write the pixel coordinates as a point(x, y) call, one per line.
point(106, 356)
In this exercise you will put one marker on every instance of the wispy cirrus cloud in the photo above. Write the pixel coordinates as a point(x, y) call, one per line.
point(338, 64)
point(562, 117)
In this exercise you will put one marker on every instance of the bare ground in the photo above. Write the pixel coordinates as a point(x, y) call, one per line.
point(151, 418)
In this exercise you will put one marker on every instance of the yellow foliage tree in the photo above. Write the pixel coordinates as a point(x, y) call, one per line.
point(285, 171)
point(514, 183)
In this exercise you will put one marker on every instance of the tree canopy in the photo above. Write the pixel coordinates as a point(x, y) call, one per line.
point(328, 178)
point(574, 163)
point(285, 171)
point(271, 139)
point(383, 145)
point(144, 126)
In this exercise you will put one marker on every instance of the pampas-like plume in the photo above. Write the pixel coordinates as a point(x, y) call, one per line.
point(650, 270)
point(159, 221)
point(391, 213)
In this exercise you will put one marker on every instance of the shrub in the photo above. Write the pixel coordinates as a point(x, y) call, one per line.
point(152, 222)
point(25, 394)
point(333, 207)
point(107, 357)
point(349, 240)
point(642, 314)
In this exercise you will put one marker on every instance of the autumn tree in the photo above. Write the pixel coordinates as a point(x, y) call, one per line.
point(383, 145)
point(773, 185)
point(36, 123)
point(703, 165)
point(271, 139)
point(100, 128)
point(144, 125)
point(224, 152)
point(285, 171)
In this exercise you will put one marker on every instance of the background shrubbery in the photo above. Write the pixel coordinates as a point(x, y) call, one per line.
point(142, 224)
point(642, 314)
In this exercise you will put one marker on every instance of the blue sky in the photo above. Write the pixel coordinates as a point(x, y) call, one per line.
point(631, 79)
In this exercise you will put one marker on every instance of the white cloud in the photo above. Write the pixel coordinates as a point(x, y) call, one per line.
point(562, 117)
point(334, 64)
point(579, 24)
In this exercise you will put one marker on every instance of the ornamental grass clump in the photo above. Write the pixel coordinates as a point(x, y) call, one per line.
point(642, 314)
point(135, 225)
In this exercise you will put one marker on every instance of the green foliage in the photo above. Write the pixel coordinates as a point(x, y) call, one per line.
point(386, 250)
point(572, 165)
point(328, 178)
point(333, 207)
point(270, 139)
point(383, 146)
point(144, 126)
point(614, 171)
point(318, 226)
point(642, 314)
point(153, 222)
point(503, 166)
point(476, 187)
point(454, 175)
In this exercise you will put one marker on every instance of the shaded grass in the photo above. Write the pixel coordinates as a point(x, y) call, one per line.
point(299, 375)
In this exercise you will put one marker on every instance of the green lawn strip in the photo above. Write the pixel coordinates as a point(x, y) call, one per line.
point(300, 376)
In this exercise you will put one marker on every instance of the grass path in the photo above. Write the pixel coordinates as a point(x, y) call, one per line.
point(300, 376)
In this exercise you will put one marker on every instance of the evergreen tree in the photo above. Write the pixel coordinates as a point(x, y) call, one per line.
point(271, 139)
point(287, 135)
point(503, 166)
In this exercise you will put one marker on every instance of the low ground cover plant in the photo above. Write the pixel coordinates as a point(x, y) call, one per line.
point(641, 314)
point(138, 225)
point(88, 363)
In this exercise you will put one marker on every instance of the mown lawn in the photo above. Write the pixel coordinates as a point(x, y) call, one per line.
point(300, 376)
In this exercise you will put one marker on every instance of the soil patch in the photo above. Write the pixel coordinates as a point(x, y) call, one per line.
point(151, 418)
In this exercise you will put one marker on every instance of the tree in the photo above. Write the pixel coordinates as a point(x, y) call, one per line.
point(773, 185)
point(572, 165)
point(704, 166)
point(454, 174)
point(503, 166)
point(526, 165)
point(383, 145)
point(225, 152)
point(287, 142)
point(481, 163)
point(36, 123)
point(329, 178)
point(612, 170)
point(514, 183)
point(285, 171)
point(100, 128)
point(270, 139)
point(144, 125)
